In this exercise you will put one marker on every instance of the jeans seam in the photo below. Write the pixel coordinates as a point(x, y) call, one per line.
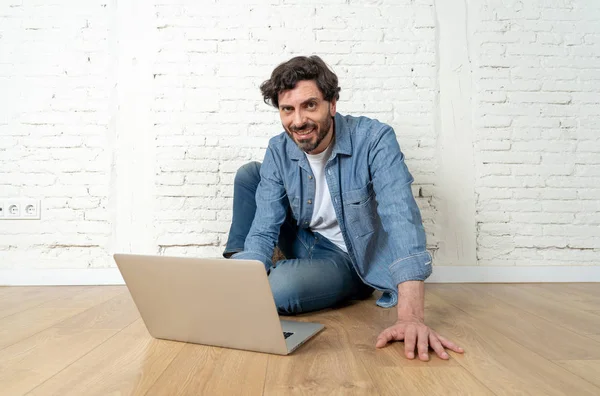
point(309, 250)
point(300, 301)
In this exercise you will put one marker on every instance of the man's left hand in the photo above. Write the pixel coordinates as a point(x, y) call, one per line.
point(416, 333)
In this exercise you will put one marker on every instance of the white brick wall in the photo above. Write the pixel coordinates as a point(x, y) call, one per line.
point(121, 165)
point(54, 127)
point(537, 114)
point(209, 116)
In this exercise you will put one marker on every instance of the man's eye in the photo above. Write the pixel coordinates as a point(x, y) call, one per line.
point(312, 105)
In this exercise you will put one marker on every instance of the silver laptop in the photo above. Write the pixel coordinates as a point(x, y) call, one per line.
point(218, 302)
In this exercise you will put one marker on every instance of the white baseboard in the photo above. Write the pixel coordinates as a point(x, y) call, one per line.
point(61, 277)
point(532, 274)
point(441, 274)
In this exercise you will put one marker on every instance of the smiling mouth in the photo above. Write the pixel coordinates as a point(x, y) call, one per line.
point(304, 133)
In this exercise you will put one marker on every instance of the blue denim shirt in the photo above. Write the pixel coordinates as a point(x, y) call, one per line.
point(370, 188)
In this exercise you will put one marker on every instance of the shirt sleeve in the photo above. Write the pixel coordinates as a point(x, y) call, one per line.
point(398, 209)
point(271, 208)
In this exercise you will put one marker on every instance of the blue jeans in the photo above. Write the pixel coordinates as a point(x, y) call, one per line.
point(316, 274)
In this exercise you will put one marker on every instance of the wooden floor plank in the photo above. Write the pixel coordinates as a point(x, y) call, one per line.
point(26, 323)
point(31, 362)
point(365, 321)
point(580, 322)
point(6, 291)
point(127, 364)
point(325, 365)
point(116, 314)
point(106, 349)
point(429, 381)
point(583, 289)
point(595, 312)
point(18, 299)
point(568, 295)
point(203, 370)
point(501, 364)
point(589, 370)
point(28, 363)
point(392, 373)
point(546, 338)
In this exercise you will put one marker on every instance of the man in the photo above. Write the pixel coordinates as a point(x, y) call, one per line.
point(333, 192)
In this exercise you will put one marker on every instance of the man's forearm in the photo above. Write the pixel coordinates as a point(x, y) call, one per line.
point(411, 300)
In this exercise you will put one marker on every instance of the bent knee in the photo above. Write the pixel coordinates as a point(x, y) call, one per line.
point(248, 173)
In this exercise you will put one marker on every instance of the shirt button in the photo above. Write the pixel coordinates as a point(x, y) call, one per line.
point(310, 177)
point(309, 201)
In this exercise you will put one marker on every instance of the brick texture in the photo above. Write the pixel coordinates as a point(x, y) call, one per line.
point(210, 118)
point(535, 115)
point(54, 128)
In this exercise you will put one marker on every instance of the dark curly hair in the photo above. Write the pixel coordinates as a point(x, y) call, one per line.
point(286, 75)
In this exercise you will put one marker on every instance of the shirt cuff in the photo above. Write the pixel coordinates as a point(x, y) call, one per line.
point(416, 267)
point(248, 255)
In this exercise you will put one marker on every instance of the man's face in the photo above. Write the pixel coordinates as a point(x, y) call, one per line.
point(306, 116)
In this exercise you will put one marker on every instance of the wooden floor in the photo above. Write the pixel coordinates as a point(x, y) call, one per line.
point(526, 339)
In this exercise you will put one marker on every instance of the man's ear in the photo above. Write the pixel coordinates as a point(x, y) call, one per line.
point(332, 107)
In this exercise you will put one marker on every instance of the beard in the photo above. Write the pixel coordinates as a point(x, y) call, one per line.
point(314, 133)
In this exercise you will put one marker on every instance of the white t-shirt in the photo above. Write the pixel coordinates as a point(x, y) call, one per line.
point(323, 219)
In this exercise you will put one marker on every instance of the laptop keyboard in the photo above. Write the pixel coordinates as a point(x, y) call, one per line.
point(287, 334)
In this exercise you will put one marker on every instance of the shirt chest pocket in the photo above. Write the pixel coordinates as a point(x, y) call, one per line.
point(360, 210)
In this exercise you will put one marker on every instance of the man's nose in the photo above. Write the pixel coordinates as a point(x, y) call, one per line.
point(299, 118)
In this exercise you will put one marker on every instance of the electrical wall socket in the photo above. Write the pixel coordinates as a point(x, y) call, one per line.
point(20, 209)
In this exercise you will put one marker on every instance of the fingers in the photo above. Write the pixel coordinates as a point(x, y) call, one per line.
point(423, 343)
point(410, 339)
point(386, 336)
point(450, 345)
point(436, 345)
point(419, 336)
